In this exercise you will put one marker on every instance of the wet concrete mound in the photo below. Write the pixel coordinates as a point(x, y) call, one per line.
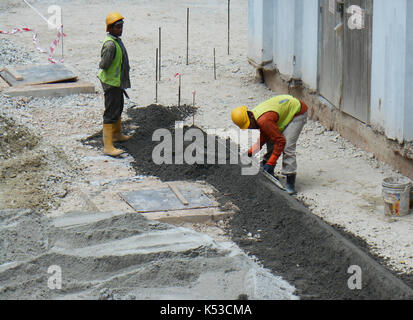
point(116, 256)
point(27, 163)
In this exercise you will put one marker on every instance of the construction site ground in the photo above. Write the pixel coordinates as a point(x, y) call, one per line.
point(57, 187)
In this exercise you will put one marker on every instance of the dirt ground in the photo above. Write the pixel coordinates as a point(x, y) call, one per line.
point(337, 182)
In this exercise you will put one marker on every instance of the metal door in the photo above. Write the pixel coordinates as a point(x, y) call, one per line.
point(357, 58)
point(330, 75)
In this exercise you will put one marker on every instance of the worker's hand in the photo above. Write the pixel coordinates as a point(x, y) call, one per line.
point(249, 152)
point(268, 168)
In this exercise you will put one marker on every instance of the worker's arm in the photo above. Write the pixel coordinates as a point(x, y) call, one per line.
point(107, 55)
point(269, 130)
point(257, 146)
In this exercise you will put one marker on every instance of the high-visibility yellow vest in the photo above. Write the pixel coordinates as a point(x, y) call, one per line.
point(111, 75)
point(285, 105)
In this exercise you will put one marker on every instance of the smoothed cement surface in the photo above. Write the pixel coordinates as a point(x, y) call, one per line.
point(106, 255)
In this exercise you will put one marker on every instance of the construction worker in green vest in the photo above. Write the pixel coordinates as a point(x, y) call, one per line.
point(114, 77)
point(280, 121)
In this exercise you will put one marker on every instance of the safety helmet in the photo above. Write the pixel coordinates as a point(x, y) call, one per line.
point(240, 117)
point(112, 18)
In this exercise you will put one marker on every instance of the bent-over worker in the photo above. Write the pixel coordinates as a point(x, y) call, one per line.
point(114, 77)
point(280, 121)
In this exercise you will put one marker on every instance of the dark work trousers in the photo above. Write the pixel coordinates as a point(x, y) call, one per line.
point(114, 102)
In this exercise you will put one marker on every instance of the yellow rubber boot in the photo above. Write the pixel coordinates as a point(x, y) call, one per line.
point(118, 136)
point(108, 148)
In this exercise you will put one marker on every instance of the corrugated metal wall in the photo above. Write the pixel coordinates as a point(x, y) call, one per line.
point(286, 32)
point(330, 70)
point(357, 48)
point(392, 69)
point(260, 22)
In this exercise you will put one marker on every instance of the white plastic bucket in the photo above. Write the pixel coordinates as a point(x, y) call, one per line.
point(396, 196)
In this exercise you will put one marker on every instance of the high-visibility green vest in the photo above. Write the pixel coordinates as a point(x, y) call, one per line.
point(111, 75)
point(285, 105)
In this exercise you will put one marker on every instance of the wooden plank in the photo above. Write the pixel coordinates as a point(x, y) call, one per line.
point(3, 84)
point(51, 90)
point(178, 194)
point(13, 72)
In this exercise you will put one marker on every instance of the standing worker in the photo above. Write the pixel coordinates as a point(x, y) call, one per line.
point(280, 121)
point(114, 77)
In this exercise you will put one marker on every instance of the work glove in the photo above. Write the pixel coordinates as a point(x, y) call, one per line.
point(262, 163)
point(268, 168)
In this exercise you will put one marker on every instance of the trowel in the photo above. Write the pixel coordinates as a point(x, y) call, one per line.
point(273, 179)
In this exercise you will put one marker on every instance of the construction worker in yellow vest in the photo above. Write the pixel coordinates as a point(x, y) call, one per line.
point(114, 77)
point(280, 121)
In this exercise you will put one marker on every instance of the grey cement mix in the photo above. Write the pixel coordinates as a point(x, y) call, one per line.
point(109, 255)
point(294, 243)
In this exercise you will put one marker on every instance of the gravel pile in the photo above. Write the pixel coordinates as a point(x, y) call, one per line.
point(33, 174)
point(13, 54)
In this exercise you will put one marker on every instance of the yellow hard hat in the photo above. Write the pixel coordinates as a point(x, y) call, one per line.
point(112, 18)
point(240, 117)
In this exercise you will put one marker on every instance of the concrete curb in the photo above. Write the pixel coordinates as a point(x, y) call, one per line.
point(374, 276)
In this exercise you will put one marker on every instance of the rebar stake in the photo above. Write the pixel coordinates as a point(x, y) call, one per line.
point(187, 35)
point(193, 105)
point(62, 36)
point(179, 92)
point(215, 67)
point(228, 24)
point(156, 77)
point(159, 65)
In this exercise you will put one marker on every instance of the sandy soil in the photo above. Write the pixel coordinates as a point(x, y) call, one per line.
point(336, 181)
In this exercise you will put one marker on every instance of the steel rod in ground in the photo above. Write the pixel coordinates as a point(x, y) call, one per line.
point(193, 105)
point(215, 67)
point(62, 36)
point(228, 23)
point(159, 45)
point(156, 76)
point(179, 92)
point(187, 36)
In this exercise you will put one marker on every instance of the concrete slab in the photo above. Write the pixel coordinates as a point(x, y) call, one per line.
point(165, 199)
point(37, 74)
point(51, 90)
point(104, 196)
